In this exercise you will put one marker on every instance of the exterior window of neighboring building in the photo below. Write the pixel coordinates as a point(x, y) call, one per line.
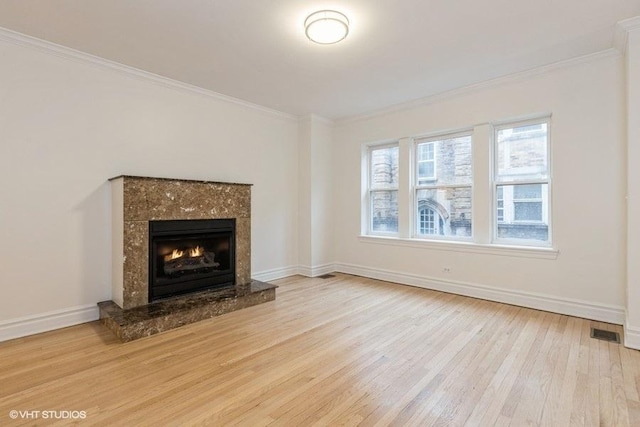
point(522, 181)
point(426, 163)
point(500, 204)
point(383, 189)
point(527, 202)
point(443, 186)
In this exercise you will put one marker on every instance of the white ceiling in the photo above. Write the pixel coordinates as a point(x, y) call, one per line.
point(255, 50)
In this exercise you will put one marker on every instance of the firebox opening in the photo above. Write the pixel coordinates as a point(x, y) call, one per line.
point(190, 255)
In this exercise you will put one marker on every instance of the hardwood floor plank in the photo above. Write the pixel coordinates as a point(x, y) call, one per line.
point(592, 405)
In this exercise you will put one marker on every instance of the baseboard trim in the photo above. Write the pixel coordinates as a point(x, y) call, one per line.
point(316, 270)
point(36, 324)
point(571, 307)
point(30, 325)
point(631, 336)
point(275, 273)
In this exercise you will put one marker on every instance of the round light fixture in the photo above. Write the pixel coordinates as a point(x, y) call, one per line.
point(326, 26)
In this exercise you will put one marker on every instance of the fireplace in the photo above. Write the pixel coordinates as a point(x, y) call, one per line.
point(181, 252)
point(190, 255)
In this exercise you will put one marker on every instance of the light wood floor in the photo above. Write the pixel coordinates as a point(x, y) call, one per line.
point(342, 351)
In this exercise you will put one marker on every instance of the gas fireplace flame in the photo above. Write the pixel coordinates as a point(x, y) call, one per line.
point(195, 252)
point(176, 254)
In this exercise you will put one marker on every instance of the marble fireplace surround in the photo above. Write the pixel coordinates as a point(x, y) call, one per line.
point(138, 200)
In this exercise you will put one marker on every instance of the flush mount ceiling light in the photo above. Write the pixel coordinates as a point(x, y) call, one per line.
point(326, 26)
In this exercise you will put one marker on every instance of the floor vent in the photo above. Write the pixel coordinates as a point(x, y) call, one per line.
point(327, 276)
point(600, 334)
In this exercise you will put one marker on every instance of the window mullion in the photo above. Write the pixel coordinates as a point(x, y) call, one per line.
point(405, 193)
point(482, 188)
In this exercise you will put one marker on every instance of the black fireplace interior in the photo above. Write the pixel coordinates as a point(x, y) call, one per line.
point(190, 255)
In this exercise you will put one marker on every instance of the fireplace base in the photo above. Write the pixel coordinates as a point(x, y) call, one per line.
point(138, 322)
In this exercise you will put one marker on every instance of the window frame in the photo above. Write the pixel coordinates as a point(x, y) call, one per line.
point(370, 189)
point(496, 182)
point(483, 194)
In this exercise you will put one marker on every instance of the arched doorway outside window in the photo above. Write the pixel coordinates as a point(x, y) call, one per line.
point(430, 221)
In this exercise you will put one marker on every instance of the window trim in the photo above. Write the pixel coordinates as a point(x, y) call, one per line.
point(509, 250)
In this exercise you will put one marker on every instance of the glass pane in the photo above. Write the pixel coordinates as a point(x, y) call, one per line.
point(522, 152)
point(426, 169)
point(528, 191)
point(425, 151)
point(384, 167)
point(444, 212)
point(527, 211)
point(450, 162)
point(384, 211)
point(522, 212)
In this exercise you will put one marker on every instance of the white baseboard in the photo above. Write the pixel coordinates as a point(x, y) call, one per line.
point(24, 326)
point(631, 336)
point(275, 273)
point(30, 325)
point(316, 270)
point(571, 307)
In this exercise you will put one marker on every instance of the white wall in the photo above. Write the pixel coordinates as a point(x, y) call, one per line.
point(66, 126)
point(305, 235)
point(315, 212)
point(586, 100)
point(321, 193)
point(632, 324)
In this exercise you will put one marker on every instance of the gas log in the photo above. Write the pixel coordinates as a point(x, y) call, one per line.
point(186, 263)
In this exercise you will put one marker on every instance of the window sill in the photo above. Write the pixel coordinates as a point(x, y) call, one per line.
point(469, 247)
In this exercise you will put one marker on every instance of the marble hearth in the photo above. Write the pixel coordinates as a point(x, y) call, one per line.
point(138, 200)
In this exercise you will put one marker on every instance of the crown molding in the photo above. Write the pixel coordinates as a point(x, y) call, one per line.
point(630, 24)
point(475, 87)
point(310, 118)
point(623, 28)
point(68, 53)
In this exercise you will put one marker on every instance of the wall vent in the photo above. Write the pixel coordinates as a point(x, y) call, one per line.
point(601, 334)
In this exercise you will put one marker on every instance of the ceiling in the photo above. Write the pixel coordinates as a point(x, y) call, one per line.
point(256, 50)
